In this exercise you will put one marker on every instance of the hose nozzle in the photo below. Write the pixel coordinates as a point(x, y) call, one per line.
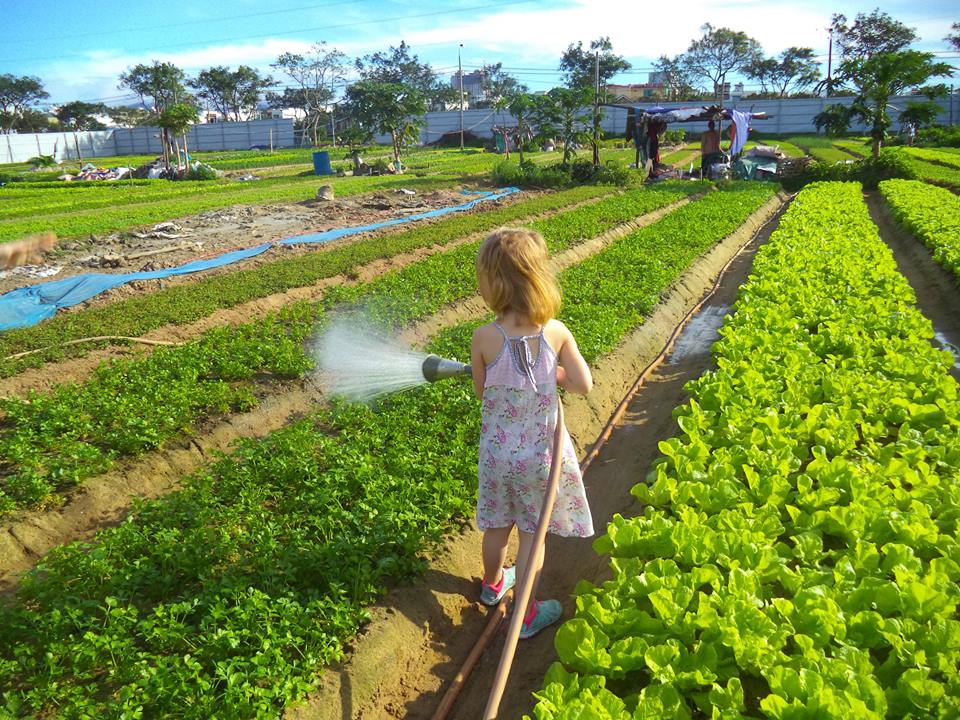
point(437, 368)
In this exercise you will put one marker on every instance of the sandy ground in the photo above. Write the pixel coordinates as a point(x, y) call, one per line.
point(218, 231)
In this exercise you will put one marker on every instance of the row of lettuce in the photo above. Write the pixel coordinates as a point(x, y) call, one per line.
point(797, 557)
point(931, 213)
point(55, 439)
point(225, 598)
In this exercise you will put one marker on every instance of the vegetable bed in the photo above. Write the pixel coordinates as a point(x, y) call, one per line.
point(797, 557)
point(225, 598)
point(931, 213)
point(54, 440)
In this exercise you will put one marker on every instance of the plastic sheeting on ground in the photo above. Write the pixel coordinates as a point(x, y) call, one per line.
point(30, 305)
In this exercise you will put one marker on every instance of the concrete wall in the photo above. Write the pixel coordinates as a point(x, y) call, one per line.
point(792, 115)
point(145, 140)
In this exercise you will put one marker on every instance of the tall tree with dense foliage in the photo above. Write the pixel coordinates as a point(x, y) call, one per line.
point(388, 108)
point(176, 120)
point(870, 34)
point(316, 76)
point(163, 83)
point(232, 93)
point(17, 95)
point(793, 71)
point(400, 66)
point(128, 116)
point(80, 115)
point(718, 52)
point(579, 65)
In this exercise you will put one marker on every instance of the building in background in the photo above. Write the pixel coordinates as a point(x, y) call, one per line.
point(473, 91)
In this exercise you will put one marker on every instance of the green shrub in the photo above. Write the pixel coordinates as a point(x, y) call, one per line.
point(870, 171)
point(201, 171)
point(529, 174)
point(612, 172)
point(675, 137)
point(939, 136)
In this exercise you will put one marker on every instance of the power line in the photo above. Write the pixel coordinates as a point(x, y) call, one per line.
point(185, 23)
point(313, 29)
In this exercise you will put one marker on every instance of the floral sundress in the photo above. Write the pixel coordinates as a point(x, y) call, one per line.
point(516, 444)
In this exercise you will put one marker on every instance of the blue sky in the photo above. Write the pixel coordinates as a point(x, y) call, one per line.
point(79, 48)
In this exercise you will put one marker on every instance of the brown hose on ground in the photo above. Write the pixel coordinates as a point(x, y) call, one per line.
point(142, 341)
point(525, 589)
point(450, 697)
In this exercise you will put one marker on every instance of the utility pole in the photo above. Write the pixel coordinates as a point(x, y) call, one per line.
point(829, 61)
point(596, 109)
point(460, 75)
point(333, 124)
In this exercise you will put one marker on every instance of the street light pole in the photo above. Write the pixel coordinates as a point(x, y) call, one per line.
point(460, 75)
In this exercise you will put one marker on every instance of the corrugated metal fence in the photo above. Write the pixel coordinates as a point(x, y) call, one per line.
point(146, 140)
point(794, 115)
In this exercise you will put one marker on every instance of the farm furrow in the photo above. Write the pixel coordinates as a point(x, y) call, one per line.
point(306, 526)
point(936, 288)
point(425, 242)
point(38, 531)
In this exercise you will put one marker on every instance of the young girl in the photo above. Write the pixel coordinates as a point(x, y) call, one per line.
point(518, 361)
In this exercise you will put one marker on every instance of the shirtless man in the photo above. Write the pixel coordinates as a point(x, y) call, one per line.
point(710, 151)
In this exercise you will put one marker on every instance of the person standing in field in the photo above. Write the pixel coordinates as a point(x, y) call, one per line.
point(518, 361)
point(710, 151)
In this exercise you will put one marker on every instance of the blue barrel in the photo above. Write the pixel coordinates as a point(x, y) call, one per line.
point(321, 163)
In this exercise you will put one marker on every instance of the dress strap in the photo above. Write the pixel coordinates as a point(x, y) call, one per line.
point(503, 332)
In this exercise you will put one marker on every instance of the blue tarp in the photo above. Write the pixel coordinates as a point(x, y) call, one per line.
point(27, 306)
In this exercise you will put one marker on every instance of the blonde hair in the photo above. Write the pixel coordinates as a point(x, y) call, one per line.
point(513, 273)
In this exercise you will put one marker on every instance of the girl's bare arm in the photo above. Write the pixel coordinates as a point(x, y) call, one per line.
point(574, 373)
point(477, 363)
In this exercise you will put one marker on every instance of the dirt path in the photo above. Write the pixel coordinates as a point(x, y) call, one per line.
point(420, 634)
point(937, 289)
point(105, 500)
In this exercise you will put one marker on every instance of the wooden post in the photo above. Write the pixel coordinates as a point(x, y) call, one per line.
point(76, 144)
point(271, 140)
point(36, 136)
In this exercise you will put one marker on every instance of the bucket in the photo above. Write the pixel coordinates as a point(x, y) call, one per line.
point(321, 163)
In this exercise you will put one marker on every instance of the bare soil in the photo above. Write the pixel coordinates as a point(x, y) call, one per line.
point(218, 231)
point(420, 634)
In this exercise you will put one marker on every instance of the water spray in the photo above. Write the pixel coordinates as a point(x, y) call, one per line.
point(356, 361)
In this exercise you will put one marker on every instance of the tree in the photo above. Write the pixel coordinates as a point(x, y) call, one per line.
point(498, 85)
point(580, 65)
point(954, 39)
point(523, 106)
point(80, 115)
point(677, 78)
point(128, 116)
point(176, 120)
point(17, 94)
point(387, 108)
point(232, 93)
point(718, 52)
point(795, 70)
point(882, 75)
point(834, 120)
point(919, 114)
point(163, 83)
point(556, 117)
point(316, 75)
point(398, 66)
point(869, 35)
point(31, 120)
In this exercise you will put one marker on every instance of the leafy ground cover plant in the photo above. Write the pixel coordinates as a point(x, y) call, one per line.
point(932, 214)
point(226, 598)
point(186, 303)
point(941, 156)
point(54, 440)
point(797, 554)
